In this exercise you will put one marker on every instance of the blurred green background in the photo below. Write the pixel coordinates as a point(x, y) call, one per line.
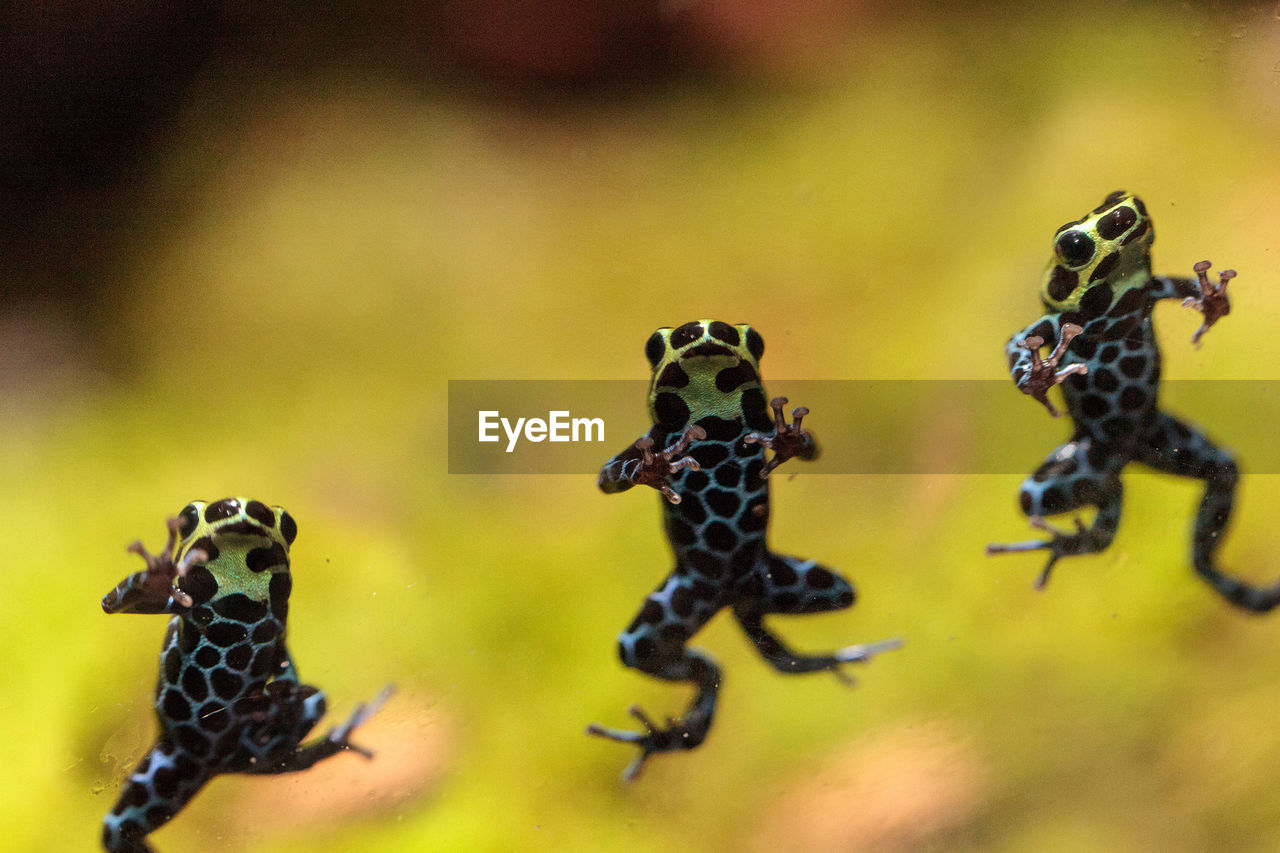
point(244, 254)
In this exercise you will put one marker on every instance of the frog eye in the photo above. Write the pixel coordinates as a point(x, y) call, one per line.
point(653, 348)
point(288, 527)
point(190, 516)
point(1075, 248)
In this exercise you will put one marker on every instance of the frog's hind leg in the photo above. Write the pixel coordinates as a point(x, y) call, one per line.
point(281, 716)
point(165, 780)
point(1176, 448)
point(781, 584)
point(1079, 473)
point(654, 642)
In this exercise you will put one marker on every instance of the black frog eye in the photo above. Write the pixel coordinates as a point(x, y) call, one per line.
point(190, 516)
point(1075, 248)
point(288, 527)
point(654, 348)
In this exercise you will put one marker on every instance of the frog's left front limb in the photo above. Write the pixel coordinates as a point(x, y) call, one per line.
point(655, 643)
point(619, 473)
point(641, 465)
point(152, 590)
point(1079, 473)
point(1021, 357)
point(1035, 376)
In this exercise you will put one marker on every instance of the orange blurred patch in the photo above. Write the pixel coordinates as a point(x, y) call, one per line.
point(892, 790)
point(412, 741)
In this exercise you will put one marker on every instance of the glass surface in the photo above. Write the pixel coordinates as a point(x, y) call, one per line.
point(264, 281)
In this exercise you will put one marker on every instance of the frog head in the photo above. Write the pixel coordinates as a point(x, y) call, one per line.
point(702, 368)
point(246, 544)
point(1100, 256)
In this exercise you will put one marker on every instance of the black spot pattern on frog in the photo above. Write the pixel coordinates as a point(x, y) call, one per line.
point(724, 332)
point(260, 513)
point(218, 510)
point(673, 377)
point(1062, 282)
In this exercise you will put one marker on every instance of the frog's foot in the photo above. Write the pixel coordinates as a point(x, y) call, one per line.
point(1044, 374)
point(677, 735)
point(1061, 544)
point(656, 467)
point(1212, 302)
point(859, 654)
point(788, 440)
point(340, 736)
point(143, 591)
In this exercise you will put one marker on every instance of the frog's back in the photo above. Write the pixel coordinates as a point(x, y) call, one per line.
point(230, 643)
point(707, 373)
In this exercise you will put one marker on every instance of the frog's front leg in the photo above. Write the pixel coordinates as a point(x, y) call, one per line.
point(781, 584)
point(1212, 301)
point(788, 440)
point(278, 718)
point(165, 780)
point(1041, 375)
point(152, 590)
point(1077, 474)
point(655, 643)
point(639, 465)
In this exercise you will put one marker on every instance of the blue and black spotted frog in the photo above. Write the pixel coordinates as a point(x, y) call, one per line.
point(1098, 293)
point(229, 699)
point(706, 454)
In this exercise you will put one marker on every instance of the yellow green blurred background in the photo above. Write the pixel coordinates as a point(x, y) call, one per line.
point(270, 295)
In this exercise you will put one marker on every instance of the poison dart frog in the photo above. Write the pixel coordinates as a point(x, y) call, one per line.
point(1098, 294)
point(228, 699)
point(706, 453)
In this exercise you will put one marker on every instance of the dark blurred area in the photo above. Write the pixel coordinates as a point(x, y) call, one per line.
point(91, 86)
